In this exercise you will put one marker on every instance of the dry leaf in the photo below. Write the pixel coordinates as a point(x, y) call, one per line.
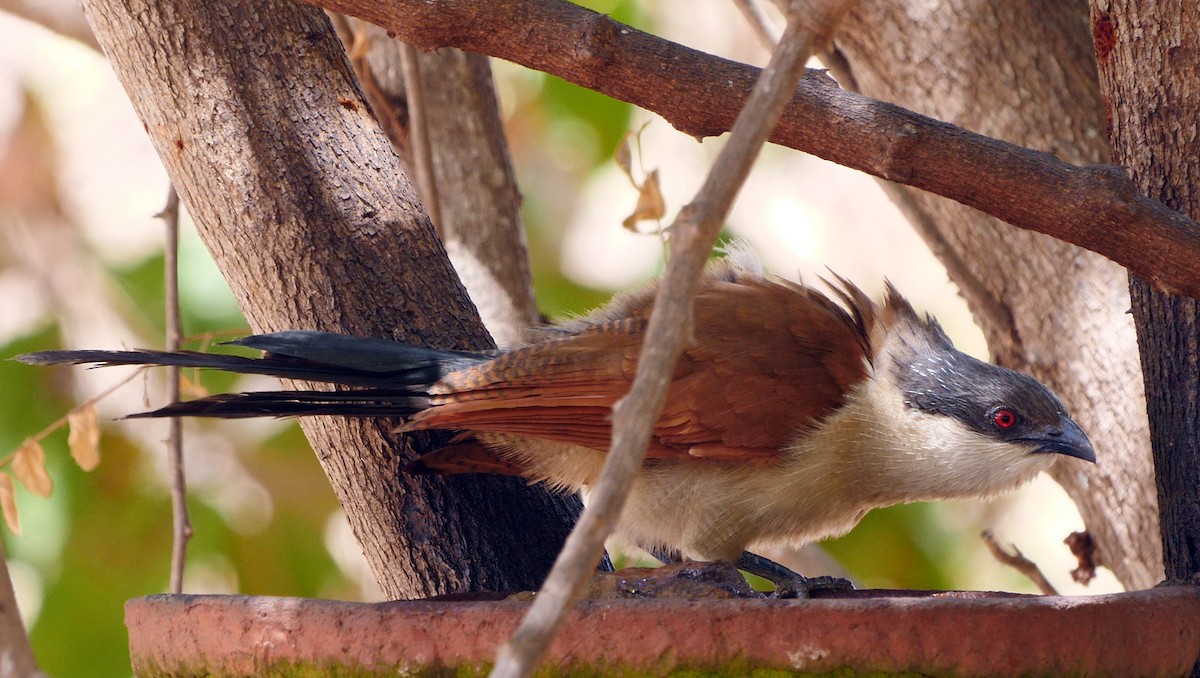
point(8, 502)
point(650, 204)
point(191, 389)
point(624, 156)
point(28, 174)
point(29, 466)
point(84, 437)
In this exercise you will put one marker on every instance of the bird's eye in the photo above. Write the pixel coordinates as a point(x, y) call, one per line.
point(1004, 418)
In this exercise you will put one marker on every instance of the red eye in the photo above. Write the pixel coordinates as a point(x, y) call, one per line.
point(1004, 418)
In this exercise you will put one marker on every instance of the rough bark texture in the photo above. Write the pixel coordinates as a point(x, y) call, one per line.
point(1149, 58)
point(474, 181)
point(1023, 72)
point(304, 205)
point(377, 61)
point(477, 190)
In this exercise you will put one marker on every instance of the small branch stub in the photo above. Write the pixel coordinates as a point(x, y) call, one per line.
point(1017, 560)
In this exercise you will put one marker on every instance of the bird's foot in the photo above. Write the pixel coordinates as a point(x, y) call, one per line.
point(798, 586)
point(789, 584)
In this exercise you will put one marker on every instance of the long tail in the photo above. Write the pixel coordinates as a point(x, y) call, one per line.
point(394, 375)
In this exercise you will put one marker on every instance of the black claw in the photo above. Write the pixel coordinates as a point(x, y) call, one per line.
point(804, 587)
point(789, 584)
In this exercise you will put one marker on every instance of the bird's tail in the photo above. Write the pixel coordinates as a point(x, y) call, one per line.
point(391, 377)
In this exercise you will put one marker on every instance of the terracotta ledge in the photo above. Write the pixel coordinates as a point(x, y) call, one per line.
point(1155, 632)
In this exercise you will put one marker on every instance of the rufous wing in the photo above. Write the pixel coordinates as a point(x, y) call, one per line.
point(768, 360)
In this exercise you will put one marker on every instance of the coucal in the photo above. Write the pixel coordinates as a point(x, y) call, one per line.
point(790, 414)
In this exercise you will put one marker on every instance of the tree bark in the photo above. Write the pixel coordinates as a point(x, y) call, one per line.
point(306, 209)
point(1149, 58)
point(1024, 72)
point(477, 191)
point(474, 181)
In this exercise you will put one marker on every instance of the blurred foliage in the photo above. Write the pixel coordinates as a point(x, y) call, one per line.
point(105, 537)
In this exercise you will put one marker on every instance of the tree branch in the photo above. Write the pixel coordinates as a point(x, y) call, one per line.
point(181, 524)
point(692, 237)
point(479, 201)
point(1156, 70)
point(1017, 560)
point(19, 661)
point(260, 124)
point(419, 127)
point(759, 22)
point(1096, 207)
point(479, 204)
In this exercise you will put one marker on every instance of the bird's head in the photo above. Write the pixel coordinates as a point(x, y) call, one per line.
point(977, 428)
point(994, 402)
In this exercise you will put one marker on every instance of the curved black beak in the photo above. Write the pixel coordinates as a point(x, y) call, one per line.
point(1065, 438)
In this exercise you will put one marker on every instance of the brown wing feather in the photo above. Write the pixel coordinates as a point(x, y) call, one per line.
point(769, 359)
point(465, 455)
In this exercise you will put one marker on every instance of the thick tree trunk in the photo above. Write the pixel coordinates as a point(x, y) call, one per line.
point(1149, 58)
point(304, 205)
point(1024, 72)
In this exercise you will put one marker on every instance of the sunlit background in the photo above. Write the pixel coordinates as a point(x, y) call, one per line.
point(81, 265)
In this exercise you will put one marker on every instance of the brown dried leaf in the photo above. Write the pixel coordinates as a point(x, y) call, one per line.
point(84, 437)
point(8, 502)
point(28, 174)
point(29, 466)
point(650, 204)
point(190, 388)
point(624, 156)
point(1083, 547)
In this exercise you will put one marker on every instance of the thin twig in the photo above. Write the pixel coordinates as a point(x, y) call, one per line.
point(182, 526)
point(692, 235)
point(61, 421)
point(752, 11)
point(1018, 562)
point(422, 153)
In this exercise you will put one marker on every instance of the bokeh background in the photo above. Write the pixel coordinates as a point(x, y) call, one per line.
point(81, 264)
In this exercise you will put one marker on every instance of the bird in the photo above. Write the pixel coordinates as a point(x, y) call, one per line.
point(791, 412)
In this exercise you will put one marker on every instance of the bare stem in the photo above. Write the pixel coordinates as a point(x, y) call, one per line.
point(1017, 560)
point(692, 235)
point(182, 526)
point(764, 30)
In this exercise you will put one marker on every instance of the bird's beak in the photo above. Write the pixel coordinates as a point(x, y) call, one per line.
point(1066, 438)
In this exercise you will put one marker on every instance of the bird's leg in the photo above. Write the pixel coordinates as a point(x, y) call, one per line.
point(789, 584)
point(665, 555)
